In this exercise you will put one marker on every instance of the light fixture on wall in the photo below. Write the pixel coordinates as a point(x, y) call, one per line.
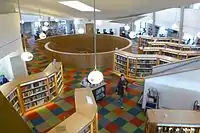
point(95, 77)
point(81, 31)
point(127, 27)
point(25, 56)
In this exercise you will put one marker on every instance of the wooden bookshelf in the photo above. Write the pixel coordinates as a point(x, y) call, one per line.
point(170, 51)
point(29, 92)
point(85, 119)
point(145, 40)
point(172, 121)
point(138, 65)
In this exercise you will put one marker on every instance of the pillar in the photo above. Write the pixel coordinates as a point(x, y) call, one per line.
point(153, 24)
point(181, 24)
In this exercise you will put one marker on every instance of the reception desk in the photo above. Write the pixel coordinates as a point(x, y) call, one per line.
point(85, 119)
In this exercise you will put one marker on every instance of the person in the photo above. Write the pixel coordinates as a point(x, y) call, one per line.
point(85, 82)
point(122, 88)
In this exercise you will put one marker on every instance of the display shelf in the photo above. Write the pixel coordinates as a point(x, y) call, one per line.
point(172, 121)
point(139, 65)
point(29, 92)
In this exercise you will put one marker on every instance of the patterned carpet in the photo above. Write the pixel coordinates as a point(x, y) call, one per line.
point(112, 119)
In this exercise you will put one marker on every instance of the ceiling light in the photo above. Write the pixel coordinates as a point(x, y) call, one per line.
point(79, 6)
point(81, 31)
point(127, 27)
point(42, 35)
point(46, 23)
point(45, 28)
point(95, 77)
point(26, 56)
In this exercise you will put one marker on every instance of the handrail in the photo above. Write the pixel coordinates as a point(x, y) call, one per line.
point(179, 61)
point(170, 73)
point(99, 53)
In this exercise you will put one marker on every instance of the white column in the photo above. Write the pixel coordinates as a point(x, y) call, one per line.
point(154, 23)
point(181, 24)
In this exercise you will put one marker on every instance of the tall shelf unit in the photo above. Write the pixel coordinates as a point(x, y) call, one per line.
point(172, 121)
point(138, 65)
point(29, 92)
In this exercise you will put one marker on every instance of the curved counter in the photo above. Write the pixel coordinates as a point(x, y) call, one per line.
point(28, 92)
point(85, 118)
point(77, 50)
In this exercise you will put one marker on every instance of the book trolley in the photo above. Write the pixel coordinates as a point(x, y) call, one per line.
point(29, 92)
point(172, 121)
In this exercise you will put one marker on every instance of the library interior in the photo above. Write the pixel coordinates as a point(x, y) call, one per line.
point(94, 66)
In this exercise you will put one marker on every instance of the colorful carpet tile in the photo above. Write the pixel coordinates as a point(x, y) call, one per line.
point(112, 119)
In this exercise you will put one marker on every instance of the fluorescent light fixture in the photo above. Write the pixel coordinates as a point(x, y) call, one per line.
point(78, 6)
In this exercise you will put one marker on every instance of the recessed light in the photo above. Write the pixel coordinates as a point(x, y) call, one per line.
point(78, 6)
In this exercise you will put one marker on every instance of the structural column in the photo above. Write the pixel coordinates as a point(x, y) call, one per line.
point(181, 24)
point(153, 24)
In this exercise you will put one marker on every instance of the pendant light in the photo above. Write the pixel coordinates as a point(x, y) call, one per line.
point(25, 56)
point(95, 77)
point(132, 34)
point(42, 35)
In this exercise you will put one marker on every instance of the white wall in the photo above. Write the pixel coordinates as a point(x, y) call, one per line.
point(177, 91)
point(10, 42)
point(166, 18)
point(106, 24)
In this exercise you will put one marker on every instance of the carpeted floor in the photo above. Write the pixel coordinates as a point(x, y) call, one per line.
point(112, 119)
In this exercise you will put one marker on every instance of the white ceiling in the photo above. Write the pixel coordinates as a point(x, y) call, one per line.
point(110, 9)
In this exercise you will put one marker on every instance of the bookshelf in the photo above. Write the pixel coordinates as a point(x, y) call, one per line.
point(29, 92)
point(179, 51)
point(145, 40)
point(138, 65)
point(172, 121)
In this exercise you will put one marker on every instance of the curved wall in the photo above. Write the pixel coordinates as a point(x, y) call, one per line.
point(77, 50)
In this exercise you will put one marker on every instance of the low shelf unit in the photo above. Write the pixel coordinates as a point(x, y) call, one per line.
point(29, 92)
point(172, 121)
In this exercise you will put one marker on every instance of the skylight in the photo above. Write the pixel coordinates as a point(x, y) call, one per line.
point(79, 6)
